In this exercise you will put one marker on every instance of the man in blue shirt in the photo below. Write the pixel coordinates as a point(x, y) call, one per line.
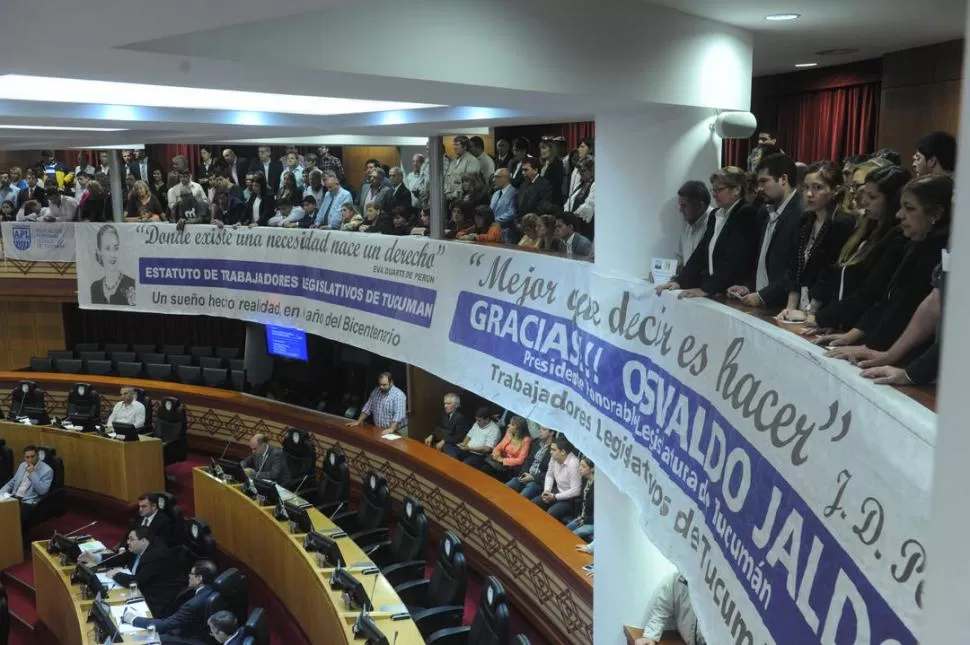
point(8, 191)
point(328, 215)
point(29, 484)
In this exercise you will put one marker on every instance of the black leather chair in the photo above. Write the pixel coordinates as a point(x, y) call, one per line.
point(300, 452)
point(490, 625)
point(41, 364)
point(333, 489)
point(158, 371)
point(54, 503)
point(369, 521)
point(96, 355)
point(200, 351)
point(4, 617)
point(173, 349)
point(84, 405)
point(211, 362)
point(142, 349)
point(439, 601)
point(171, 426)
point(227, 353)
point(237, 364)
point(111, 348)
point(152, 357)
point(168, 505)
point(123, 357)
point(402, 557)
point(189, 374)
point(238, 380)
point(55, 354)
point(214, 376)
point(521, 639)
point(6, 461)
point(98, 368)
point(231, 591)
point(69, 365)
point(179, 359)
point(198, 543)
point(28, 400)
point(86, 347)
point(127, 369)
point(143, 397)
point(256, 630)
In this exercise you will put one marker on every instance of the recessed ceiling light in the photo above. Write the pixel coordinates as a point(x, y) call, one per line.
point(782, 17)
point(805, 65)
point(59, 127)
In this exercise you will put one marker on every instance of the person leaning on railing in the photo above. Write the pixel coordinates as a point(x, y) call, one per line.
point(511, 452)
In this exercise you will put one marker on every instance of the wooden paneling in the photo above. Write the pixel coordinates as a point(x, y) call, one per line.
point(354, 158)
point(11, 547)
point(920, 93)
point(30, 327)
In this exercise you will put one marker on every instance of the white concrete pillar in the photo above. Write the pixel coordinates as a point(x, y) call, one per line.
point(642, 159)
point(947, 620)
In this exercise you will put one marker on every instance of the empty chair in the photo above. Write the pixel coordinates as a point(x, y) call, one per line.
point(170, 425)
point(92, 356)
point(151, 357)
point(55, 354)
point(256, 631)
point(69, 365)
point(40, 364)
point(173, 349)
point(369, 520)
point(237, 364)
point(123, 357)
point(158, 371)
point(84, 405)
point(129, 370)
point(227, 353)
point(230, 591)
point(28, 400)
point(439, 601)
point(145, 349)
point(198, 542)
point(86, 347)
point(300, 452)
point(402, 557)
point(111, 348)
point(200, 351)
point(168, 504)
point(333, 489)
point(211, 362)
point(238, 380)
point(99, 368)
point(490, 625)
point(179, 359)
point(142, 397)
point(6, 461)
point(214, 377)
point(189, 374)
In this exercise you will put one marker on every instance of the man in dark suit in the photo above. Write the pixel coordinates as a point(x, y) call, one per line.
point(573, 243)
point(726, 252)
point(238, 167)
point(778, 240)
point(154, 568)
point(535, 189)
point(224, 628)
point(266, 461)
point(34, 190)
point(271, 168)
point(451, 429)
point(189, 622)
point(149, 516)
point(377, 190)
point(400, 195)
point(141, 167)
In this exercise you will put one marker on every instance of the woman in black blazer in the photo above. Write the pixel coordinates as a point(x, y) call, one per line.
point(552, 168)
point(259, 214)
point(824, 231)
point(924, 218)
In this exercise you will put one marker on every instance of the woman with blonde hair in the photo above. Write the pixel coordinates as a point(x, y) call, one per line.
point(856, 182)
point(530, 231)
point(473, 190)
point(142, 204)
point(350, 217)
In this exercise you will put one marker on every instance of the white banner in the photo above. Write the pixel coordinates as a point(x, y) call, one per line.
point(38, 241)
point(792, 494)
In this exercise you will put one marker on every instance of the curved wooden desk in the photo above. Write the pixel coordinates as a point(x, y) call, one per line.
point(251, 534)
point(120, 470)
point(11, 545)
point(504, 534)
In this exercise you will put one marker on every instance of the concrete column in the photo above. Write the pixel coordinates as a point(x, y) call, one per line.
point(117, 180)
point(642, 158)
point(436, 202)
point(946, 619)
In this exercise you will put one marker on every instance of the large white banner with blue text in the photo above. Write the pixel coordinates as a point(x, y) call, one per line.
point(38, 241)
point(792, 494)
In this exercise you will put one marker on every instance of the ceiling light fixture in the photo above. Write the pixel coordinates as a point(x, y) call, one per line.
point(783, 17)
point(66, 128)
point(37, 88)
point(805, 65)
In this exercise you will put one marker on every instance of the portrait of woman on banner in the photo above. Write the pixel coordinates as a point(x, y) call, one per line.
point(114, 288)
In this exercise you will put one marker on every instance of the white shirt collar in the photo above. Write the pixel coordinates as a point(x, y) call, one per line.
point(777, 211)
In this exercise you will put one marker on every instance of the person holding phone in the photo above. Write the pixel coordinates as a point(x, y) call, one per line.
point(533, 473)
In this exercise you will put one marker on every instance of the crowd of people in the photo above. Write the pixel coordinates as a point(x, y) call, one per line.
point(855, 254)
point(544, 201)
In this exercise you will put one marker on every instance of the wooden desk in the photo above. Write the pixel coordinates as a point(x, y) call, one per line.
point(11, 543)
point(59, 604)
point(251, 534)
point(117, 469)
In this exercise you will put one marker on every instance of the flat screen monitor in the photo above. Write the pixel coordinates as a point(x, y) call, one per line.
point(353, 589)
point(286, 342)
point(267, 490)
point(325, 546)
point(86, 577)
point(297, 513)
point(125, 431)
point(234, 469)
point(366, 628)
point(64, 545)
point(105, 630)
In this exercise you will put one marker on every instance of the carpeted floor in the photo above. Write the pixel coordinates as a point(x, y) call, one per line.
point(110, 527)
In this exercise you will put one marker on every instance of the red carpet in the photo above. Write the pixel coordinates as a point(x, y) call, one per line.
point(110, 527)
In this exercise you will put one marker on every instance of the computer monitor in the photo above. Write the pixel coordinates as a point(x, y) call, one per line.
point(354, 594)
point(267, 490)
point(325, 546)
point(297, 513)
point(105, 629)
point(234, 469)
point(64, 545)
point(125, 431)
point(86, 577)
point(365, 627)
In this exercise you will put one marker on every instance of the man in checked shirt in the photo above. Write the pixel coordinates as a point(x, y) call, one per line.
point(388, 407)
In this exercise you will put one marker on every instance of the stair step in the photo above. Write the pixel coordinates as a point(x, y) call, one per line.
point(17, 577)
point(22, 607)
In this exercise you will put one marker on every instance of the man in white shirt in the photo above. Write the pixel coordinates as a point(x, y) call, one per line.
point(477, 147)
point(185, 180)
point(671, 610)
point(60, 208)
point(694, 202)
point(417, 180)
point(481, 438)
point(128, 410)
point(315, 186)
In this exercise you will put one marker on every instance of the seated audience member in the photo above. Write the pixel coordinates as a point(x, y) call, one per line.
point(158, 187)
point(824, 231)
point(573, 243)
point(261, 205)
point(142, 198)
point(563, 483)
point(147, 516)
point(400, 195)
point(154, 567)
point(8, 211)
point(473, 190)
point(188, 623)
point(350, 217)
point(185, 181)
point(694, 203)
point(31, 211)
point(778, 241)
point(725, 254)
point(400, 220)
point(852, 191)
point(189, 209)
point(286, 215)
point(534, 189)
point(97, 205)
point(582, 524)
point(511, 452)
point(484, 229)
point(224, 628)
point(551, 169)
point(671, 610)
point(60, 208)
point(481, 438)
point(127, 410)
point(226, 209)
point(329, 215)
point(924, 218)
point(265, 461)
point(29, 484)
point(376, 220)
point(33, 191)
point(532, 475)
point(423, 224)
point(307, 215)
point(530, 231)
point(314, 186)
point(290, 191)
point(936, 154)
point(852, 284)
point(582, 203)
point(546, 235)
point(504, 203)
point(462, 216)
point(387, 406)
point(451, 429)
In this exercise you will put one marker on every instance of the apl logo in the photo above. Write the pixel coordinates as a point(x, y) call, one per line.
point(21, 237)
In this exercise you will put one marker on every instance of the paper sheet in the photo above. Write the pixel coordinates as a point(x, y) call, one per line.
point(92, 546)
point(108, 583)
point(117, 611)
point(392, 436)
point(663, 270)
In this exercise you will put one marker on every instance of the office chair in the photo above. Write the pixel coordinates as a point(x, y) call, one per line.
point(490, 625)
point(198, 352)
point(28, 400)
point(333, 489)
point(55, 354)
point(256, 631)
point(84, 405)
point(152, 357)
point(122, 357)
point(86, 347)
point(168, 505)
point(143, 349)
point(129, 369)
point(41, 364)
point(98, 368)
point(173, 349)
point(369, 520)
point(214, 377)
point(112, 348)
point(189, 374)
point(198, 543)
point(142, 397)
point(439, 601)
point(227, 353)
point(231, 590)
point(6, 461)
point(237, 364)
point(402, 557)
point(92, 355)
point(300, 453)
point(69, 365)
point(158, 371)
point(211, 362)
point(54, 503)
point(179, 359)
point(238, 380)
point(171, 426)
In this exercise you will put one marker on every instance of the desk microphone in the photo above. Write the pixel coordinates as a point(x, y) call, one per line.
point(300, 485)
point(336, 510)
point(86, 526)
point(224, 450)
point(373, 590)
point(20, 408)
point(394, 642)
